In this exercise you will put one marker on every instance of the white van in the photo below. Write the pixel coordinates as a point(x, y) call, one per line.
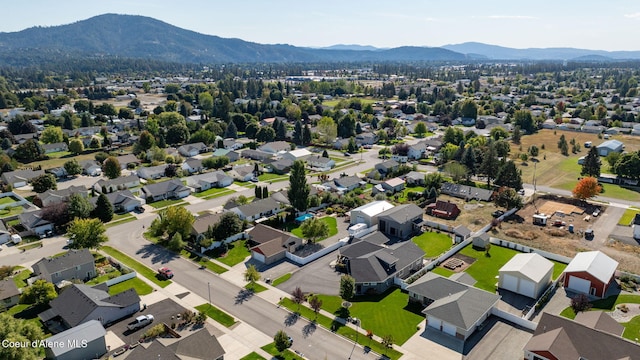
point(16, 239)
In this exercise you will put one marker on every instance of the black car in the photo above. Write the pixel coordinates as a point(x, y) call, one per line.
point(347, 154)
point(497, 213)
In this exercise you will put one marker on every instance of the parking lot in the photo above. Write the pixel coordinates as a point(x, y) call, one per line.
point(162, 312)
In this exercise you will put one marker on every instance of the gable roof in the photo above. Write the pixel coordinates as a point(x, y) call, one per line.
point(201, 223)
point(270, 241)
point(79, 300)
point(373, 263)
point(88, 331)
point(199, 345)
point(600, 320)
point(611, 144)
point(595, 263)
point(374, 208)
point(71, 259)
point(258, 207)
point(128, 159)
point(63, 194)
point(117, 181)
point(8, 288)
point(174, 185)
point(566, 339)
point(151, 170)
point(394, 182)
point(347, 181)
point(275, 146)
point(402, 213)
point(33, 219)
point(465, 191)
point(531, 265)
point(18, 175)
point(456, 303)
point(119, 198)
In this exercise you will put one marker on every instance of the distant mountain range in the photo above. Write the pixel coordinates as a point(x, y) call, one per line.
point(142, 37)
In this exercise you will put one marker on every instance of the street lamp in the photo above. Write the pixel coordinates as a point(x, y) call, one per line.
point(356, 341)
point(209, 288)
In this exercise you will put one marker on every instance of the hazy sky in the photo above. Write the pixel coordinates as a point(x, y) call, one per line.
point(603, 25)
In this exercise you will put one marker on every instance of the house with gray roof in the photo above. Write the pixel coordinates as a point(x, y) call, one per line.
point(256, 154)
point(123, 201)
point(151, 172)
point(128, 160)
point(281, 166)
point(51, 197)
point(401, 221)
point(9, 293)
point(56, 147)
point(20, 178)
point(560, 338)
point(242, 172)
point(192, 165)
point(610, 146)
point(33, 222)
point(320, 163)
point(189, 150)
point(344, 184)
point(206, 181)
point(75, 264)
point(387, 167)
point(80, 303)
point(414, 178)
point(452, 307)
point(199, 345)
point(374, 267)
point(201, 224)
point(119, 183)
point(91, 168)
point(275, 147)
point(171, 189)
point(269, 245)
point(228, 153)
point(466, 192)
point(85, 341)
point(257, 209)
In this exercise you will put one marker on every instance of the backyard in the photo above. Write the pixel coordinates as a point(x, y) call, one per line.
point(236, 253)
point(628, 216)
point(329, 220)
point(433, 244)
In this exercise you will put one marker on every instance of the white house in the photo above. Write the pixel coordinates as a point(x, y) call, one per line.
point(321, 163)
point(297, 154)
point(367, 213)
point(526, 274)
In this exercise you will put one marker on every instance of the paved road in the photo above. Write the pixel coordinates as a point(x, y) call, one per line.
point(259, 313)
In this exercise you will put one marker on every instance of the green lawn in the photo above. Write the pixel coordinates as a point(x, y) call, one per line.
point(102, 278)
point(272, 177)
point(402, 197)
point(165, 203)
point(485, 268)
point(13, 222)
point(386, 314)
point(329, 220)
point(135, 265)
point(30, 246)
point(121, 221)
point(253, 356)
point(236, 253)
point(21, 279)
point(607, 304)
point(141, 287)
point(628, 216)
point(203, 261)
point(632, 328)
point(286, 355)
point(255, 287)
point(217, 314)
point(558, 268)
point(213, 192)
point(7, 200)
point(338, 327)
point(117, 217)
point(334, 102)
point(281, 279)
point(433, 244)
point(442, 271)
point(11, 211)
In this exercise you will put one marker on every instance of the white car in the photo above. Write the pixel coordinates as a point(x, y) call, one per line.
point(596, 212)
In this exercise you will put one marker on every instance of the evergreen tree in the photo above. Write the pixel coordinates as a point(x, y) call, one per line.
point(592, 164)
point(298, 187)
point(325, 154)
point(281, 131)
point(232, 130)
point(509, 175)
point(257, 191)
point(306, 135)
point(265, 192)
point(469, 160)
point(103, 209)
point(297, 133)
point(490, 163)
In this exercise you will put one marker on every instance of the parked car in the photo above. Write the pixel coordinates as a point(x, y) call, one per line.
point(254, 179)
point(596, 212)
point(165, 272)
point(588, 234)
point(140, 322)
point(347, 154)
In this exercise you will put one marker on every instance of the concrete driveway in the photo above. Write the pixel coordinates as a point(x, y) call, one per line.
point(162, 312)
point(497, 340)
point(606, 224)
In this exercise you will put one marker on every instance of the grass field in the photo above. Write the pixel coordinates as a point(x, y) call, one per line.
point(236, 253)
point(402, 198)
point(7, 200)
point(334, 102)
point(329, 220)
point(141, 287)
point(217, 314)
point(203, 261)
point(556, 170)
point(11, 211)
point(281, 279)
point(255, 287)
point(253, 356)
point(30, 246)
point(632, 328)
point(285, 355)
point(558, 268)
point(628, 216)
point(272, 177)
point(433, 244)
point(135, 265)
point(213, 192)
point(386, 314)
point(442, 271)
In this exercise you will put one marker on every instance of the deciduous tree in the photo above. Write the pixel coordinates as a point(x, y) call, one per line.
point(76, 146)
point(587, 188)
point(87, 233)
point(251, 275)
point(347, 287)
point(72, 167)
point(79, 206)
point(316, 304)
point(297, 296)
point(420, 129)
point(281, 341)
point(51, 135)
point(314, 229)
point(111, 167)
point(44, 182)
point(21, 331)
point(39, 293)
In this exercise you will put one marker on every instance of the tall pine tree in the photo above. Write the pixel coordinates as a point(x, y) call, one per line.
point(490, 163)
point(103, 209)
point(591, 165)
point(297, 133)
point(298, 187)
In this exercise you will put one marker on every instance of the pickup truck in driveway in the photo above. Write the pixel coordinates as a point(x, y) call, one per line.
point(140, 321)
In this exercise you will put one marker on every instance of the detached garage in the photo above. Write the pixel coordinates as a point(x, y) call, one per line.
point(590, 273)
point(526, 274)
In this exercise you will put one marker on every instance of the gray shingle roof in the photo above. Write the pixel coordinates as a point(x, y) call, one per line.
point(71, 259)
point(371, 263)
point(164, 187)
point(8, 288)
point(258, 207)
point(117, 181)
point(402, 213)
point(89, 331)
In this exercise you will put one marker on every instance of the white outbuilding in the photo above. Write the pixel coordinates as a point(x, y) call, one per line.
point(368, 213)
point(526, 274)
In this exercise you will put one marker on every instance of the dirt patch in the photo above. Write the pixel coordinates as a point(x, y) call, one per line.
point(632, 310)
point(462, 261)
point(474, 214)
point(553, 207)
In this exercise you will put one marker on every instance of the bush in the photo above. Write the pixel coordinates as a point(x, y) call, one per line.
point(154, 331)
point(329, 211)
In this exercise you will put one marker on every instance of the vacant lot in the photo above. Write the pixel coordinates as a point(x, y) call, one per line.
point(473, 214)
point(556, 170)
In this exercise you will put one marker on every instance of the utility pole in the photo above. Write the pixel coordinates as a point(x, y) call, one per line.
point(209, 288)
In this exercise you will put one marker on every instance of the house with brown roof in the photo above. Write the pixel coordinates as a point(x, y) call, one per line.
point(199, 345)
point(443, 209)
point(590, 337)
point(270, 245)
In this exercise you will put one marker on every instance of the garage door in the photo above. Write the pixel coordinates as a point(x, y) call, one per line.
point(579, 285)
point(527, 288)
point(510, 282)
point(360, 220)
point(448, 329)
point(435, 323)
